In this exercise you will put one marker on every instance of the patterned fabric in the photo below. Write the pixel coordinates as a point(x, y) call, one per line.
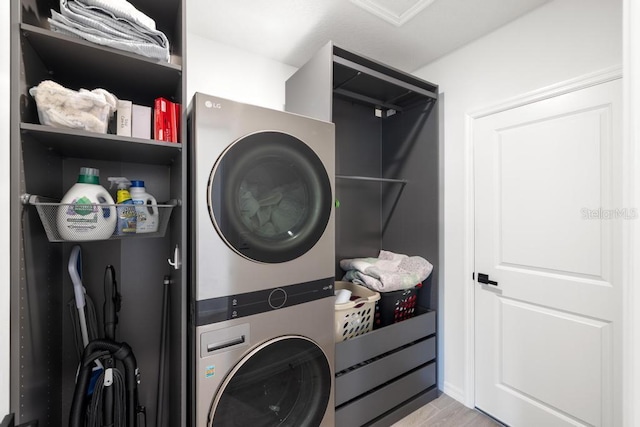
point(389, 272)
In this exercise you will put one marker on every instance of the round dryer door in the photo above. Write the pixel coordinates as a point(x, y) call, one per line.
point(284, 382)
point(269, 197)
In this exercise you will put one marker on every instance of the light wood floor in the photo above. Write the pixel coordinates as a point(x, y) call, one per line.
point(446, 411)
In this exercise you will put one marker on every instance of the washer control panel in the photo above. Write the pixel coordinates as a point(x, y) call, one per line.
point(234, 306)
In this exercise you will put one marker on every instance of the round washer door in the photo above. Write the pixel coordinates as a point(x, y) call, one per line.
point(269, 197)
point(284, 382)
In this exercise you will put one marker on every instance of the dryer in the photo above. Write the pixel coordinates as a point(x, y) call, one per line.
point(272, 368)
point(262, 186)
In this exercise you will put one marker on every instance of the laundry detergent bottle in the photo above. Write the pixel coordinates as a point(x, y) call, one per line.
point(127, 215)
point(79, 216)
point(146, 208)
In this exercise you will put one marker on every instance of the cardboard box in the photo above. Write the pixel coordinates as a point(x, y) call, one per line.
point(141, 121)
point(123, 118)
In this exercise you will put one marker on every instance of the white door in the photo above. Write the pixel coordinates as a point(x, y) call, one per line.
point(547, 230)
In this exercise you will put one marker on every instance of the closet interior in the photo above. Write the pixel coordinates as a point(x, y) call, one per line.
point(387, 198)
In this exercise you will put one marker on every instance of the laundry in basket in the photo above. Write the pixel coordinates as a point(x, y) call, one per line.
point(355, 317)
point(389, 272)
point(65, 108)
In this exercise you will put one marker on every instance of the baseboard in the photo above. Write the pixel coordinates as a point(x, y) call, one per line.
point(453, 392)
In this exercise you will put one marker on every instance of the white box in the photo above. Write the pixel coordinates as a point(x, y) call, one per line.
point(123, 117)
point(141, 121)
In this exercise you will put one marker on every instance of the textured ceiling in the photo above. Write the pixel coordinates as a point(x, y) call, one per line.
point(290, 31)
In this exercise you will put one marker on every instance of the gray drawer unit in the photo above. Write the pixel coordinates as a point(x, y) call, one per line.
point(380, 370)
point(365, 347)
point(387, 373)
point(378, 402)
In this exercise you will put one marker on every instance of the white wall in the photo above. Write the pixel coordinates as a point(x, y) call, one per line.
point(559, 41)
point(221, 70)
point(4, 213)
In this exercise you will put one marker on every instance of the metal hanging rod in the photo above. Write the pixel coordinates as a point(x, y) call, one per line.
point(370, 178)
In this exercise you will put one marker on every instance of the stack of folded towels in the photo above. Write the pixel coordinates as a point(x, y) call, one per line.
point(389, 272)
point(114, 23)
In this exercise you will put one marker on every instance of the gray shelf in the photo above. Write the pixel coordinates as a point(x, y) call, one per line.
point(90, 145)
point(370, 82)
point(76, 63)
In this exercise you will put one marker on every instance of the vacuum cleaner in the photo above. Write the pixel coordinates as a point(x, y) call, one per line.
point(112, 399)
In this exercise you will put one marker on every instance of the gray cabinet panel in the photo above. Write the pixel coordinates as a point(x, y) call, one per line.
point(370, 406)
point(365, 347)
point(353, 383)
point(407, 408)
point(308, 91)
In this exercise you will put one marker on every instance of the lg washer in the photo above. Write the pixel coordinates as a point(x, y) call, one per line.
point(274, 368)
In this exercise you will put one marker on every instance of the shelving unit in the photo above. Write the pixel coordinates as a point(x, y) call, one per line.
point(387, 170)
point(47, 161)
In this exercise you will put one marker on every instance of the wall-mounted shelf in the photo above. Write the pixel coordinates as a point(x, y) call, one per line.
point(89, 145)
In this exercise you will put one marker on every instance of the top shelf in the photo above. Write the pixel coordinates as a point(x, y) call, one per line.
point(367, 81)
point(76, 63)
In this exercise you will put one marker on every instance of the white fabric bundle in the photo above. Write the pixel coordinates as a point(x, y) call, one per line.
point(65, 108)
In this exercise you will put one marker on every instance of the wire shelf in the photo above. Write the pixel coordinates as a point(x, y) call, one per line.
point(95, 221)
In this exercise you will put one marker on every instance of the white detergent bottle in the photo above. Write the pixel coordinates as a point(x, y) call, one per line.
point(146, 207)
point(79, 217)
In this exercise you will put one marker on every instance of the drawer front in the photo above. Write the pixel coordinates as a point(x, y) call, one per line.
point(370, 406)
point(364, 347)
point(355, 382)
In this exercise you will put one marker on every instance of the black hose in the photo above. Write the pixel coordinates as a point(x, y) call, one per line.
point(94, 350)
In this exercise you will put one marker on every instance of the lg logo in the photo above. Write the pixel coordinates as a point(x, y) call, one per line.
point(210, 104)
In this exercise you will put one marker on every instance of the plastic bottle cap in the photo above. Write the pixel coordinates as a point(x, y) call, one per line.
point(89, 176)
point(137, 184)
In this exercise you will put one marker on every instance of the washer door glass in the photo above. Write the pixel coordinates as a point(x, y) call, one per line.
point(284, 382)
point(269, 197)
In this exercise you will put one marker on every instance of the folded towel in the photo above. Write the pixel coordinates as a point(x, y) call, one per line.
point(123, 9)
point(120, 26)
point(389, 272)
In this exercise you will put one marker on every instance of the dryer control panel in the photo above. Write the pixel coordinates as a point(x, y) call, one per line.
point(234, 306)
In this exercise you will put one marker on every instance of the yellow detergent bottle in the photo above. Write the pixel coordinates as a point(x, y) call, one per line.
point(127, 215)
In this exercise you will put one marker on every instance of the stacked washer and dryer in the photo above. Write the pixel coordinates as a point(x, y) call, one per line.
point(261, 265)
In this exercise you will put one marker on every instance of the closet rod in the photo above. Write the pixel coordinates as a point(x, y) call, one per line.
point(370, 178)
point(367, 99)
